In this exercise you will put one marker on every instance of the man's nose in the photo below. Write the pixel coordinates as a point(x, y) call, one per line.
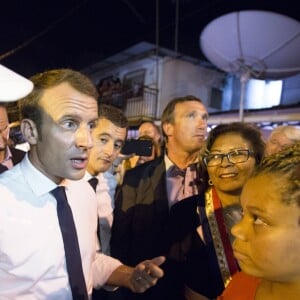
point(109, 148)
point(84, 137)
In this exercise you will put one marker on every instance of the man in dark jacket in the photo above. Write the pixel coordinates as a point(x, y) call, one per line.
point(150, 217)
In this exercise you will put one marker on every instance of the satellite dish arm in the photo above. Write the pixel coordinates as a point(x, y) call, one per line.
point(243, 79)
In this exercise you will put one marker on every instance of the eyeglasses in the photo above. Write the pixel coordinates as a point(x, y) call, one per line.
point(235, 157)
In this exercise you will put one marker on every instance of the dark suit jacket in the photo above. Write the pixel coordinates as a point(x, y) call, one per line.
point(17, 156)
point(144, 227)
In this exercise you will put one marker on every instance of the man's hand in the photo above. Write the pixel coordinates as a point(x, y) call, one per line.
point(146, 274)
point(140, 278)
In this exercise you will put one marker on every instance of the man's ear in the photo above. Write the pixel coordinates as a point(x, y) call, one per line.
point(29, 131)
point(168, 129)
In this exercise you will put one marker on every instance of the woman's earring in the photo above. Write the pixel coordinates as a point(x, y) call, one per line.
point(210, 182)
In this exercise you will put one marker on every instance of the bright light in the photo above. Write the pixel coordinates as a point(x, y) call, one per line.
point(262, 94)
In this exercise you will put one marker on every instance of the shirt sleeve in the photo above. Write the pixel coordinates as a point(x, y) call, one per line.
point(103, 267)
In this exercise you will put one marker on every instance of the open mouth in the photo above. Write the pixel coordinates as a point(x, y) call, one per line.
point(79, 163)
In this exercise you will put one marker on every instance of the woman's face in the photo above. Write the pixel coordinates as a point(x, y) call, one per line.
point(267, 243)
point(229, 177)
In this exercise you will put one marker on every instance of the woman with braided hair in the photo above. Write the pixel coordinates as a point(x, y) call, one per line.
point(267, 244)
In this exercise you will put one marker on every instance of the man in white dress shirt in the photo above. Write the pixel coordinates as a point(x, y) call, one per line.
point(109, 137)
point(58, 118)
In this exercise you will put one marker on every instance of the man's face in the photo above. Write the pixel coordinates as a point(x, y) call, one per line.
point(4, 129)
point(150, 130)
point(68, 118)
point(188, 131)
point(108, 141)
point(277, 142)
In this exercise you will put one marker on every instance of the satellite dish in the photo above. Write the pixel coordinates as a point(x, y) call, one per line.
point(13, 86)
point(259, 44)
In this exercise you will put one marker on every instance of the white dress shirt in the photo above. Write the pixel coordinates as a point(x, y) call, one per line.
point(32, 258)
point(105, 193)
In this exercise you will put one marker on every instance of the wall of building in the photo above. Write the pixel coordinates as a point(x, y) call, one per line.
point(180, 78)
point(173, 78)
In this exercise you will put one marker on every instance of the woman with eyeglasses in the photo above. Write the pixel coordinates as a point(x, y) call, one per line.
point(232, 152)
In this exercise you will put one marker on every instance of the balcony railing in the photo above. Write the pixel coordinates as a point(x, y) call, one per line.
point(143, 104)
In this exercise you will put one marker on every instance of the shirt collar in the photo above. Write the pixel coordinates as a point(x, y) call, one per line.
point(169, 163)
point(87, 176)
point(38, 182)
point(8, 154)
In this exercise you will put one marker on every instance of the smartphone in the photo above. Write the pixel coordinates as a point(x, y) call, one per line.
point(139, 147)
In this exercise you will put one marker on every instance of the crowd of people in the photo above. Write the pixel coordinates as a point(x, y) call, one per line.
point(206, 215)
point(111, 92)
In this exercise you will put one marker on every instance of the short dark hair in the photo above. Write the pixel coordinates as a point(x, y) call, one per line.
point(247, 131)
point(113, 114)
point(30, 108)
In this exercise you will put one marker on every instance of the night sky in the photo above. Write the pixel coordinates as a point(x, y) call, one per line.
point(40, 35)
